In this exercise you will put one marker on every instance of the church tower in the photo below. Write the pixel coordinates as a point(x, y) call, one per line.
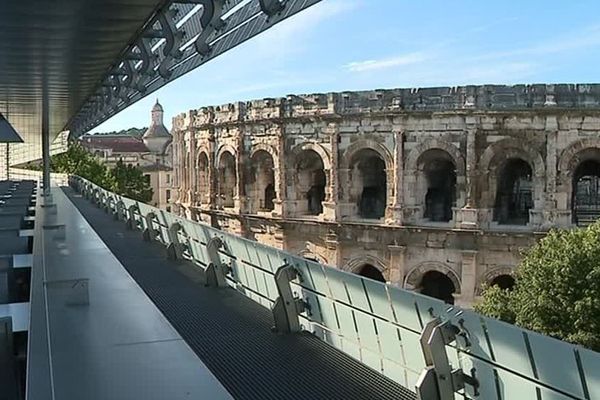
point(157, 137)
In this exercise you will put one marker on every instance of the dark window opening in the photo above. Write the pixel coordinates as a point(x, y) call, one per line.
point(586, 193)
point(315, 197)
point(441, 190)
point(503, 282)
point(311, 180)
point(369, 271)
point(435, 284)
point(514, 197)
point(261, 182)
point(228, 180)
point(269, 197)
point(371, 168)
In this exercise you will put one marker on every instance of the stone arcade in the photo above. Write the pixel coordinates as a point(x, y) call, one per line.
point(438, 190)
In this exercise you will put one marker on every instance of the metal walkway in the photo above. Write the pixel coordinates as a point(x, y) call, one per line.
point(232, 334)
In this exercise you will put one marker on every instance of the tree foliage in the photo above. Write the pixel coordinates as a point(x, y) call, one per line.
point(124, 179)
point(130, 181)
point(557, 290)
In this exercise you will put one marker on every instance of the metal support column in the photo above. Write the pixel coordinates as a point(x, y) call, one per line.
point(46, 141)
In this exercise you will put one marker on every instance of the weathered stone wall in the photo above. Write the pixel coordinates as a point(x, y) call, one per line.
point(328, 151)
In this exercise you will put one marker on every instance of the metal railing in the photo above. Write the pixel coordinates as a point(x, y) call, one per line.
point(436, 350)
point(29, 174)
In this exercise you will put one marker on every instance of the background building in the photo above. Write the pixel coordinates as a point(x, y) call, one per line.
point(151, 153)
point(438, 190)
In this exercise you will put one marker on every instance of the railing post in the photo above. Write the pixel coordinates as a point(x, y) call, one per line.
point(216, 270)
point(131, 221)
point(287, 308)
point(120, 214)
point(107, 203)
point(175, 248)
point(438, 381)
point(149, 233)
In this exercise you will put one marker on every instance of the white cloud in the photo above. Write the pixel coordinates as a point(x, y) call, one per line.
point(370, 65)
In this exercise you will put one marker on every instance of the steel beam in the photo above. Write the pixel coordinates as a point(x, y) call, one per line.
point(181, 37)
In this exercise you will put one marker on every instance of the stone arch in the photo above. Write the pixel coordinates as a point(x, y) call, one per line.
point(310, 177)
point(492, 274)
point(570, 159)
point(415, 276)
point(169, 148)
point(203, 176)
point(358, 262)
point(371, 145)
point(496, 272)
point(311, 256)
point(496, 151)
point(268, 148)
point(317, 148)
point(362, 185)
point(261, 179)
point(411, 164)
point(493, 160)
point(421, 192)
point(226, 148)
point(227, 176)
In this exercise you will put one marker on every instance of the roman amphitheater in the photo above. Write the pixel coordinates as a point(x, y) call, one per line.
point(438, 190)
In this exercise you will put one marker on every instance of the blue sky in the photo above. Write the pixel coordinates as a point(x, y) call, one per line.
point(371, 44)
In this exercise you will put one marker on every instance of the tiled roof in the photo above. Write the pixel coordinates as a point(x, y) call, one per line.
point(118, 144)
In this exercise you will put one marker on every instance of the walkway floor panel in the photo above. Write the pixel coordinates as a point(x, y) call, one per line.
point(232, 334)
point(119, 346)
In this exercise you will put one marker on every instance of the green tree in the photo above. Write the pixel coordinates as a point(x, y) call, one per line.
point(557, 290)
point(76, 160)
point(130, 181)
point(123, 179)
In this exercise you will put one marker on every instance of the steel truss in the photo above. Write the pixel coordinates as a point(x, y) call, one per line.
point(181, 36)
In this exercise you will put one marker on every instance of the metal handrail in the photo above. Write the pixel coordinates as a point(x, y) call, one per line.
point(410, 338)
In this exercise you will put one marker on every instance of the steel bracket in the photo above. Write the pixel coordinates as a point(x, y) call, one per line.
point(131, 221)
point(149, 233)
point(287, 308)
point(439, 381)
point(175, 248)
point(271, 7)
point(216, 271)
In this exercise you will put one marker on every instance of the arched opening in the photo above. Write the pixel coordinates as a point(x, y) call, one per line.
point(586, 193)
point(503, 282)
point(310, 183)
point(514, 196)
point(227, 181)
point(369, 271)
point(261, 182)
point(203, 188)
point(369, 184)
point(438, 176)
point(435, 284)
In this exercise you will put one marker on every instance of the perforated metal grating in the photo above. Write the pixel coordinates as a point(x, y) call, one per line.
point(231, 333)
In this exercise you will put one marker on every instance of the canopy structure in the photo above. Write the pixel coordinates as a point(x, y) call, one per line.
point(72, 64)
point(7, 132)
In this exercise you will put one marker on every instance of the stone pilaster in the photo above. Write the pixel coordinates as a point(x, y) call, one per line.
point(468, 278)
point(330, 205)
point(467, 216)
point(239, 197)
point(552, 216)
point(212, 170)
point(334, 249)
point(395, 212)
point(279, 170)
point(194, 167)
point(397, 270)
